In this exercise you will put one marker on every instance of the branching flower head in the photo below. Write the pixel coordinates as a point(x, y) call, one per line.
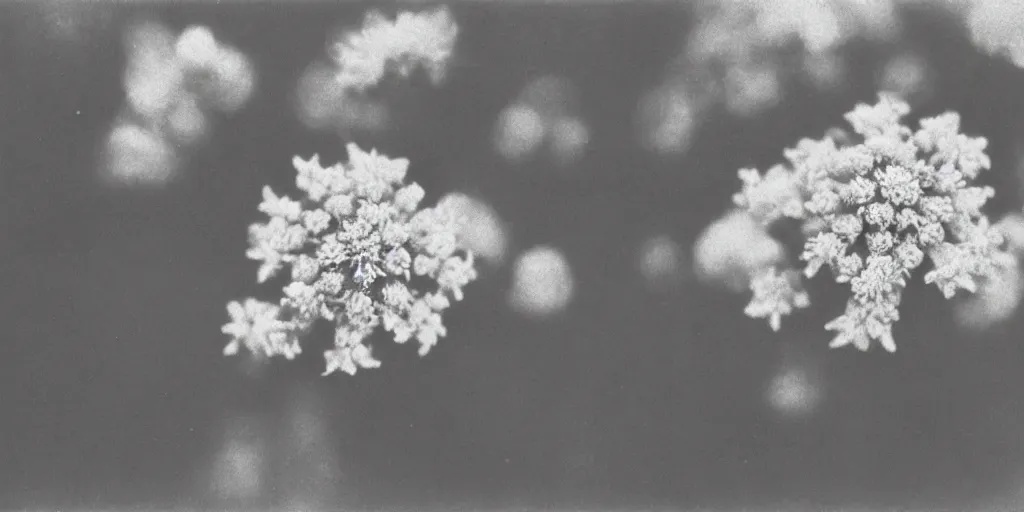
point(872, 213)
point(361, 253)
point(776, 294)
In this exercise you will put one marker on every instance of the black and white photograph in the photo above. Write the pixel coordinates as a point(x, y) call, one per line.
point(512, 255)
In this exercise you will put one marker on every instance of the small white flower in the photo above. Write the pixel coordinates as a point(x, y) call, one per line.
point(952, 270)
point(879, 215)
point(349, 359)
point(316, 221)
point(330, 283)
point(880, 278)
point(862, 323)
point(882, 118)
point(930, 233)
point(937, 208)
point(408, 198)
point(908, 254)
point(305, 269)
point(847, 226)
point(820, 250)
point(280, 206)
point(860, 190)
point(775, 295)
point(770, 197)
point(339, 206)
point(899, 185)
point(847, 267)
point(880, 242)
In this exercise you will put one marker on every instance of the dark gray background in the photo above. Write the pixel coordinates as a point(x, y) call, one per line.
point(113, 388)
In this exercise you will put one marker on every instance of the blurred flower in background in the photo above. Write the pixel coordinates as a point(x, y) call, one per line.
point(412, 40)
point(909, 76)
point(323, 102)
point(666, 118)
point(340, 92)
point(995, 301)
point(796, 388)
point(241, 464)
point(569, 138)
point(542, 282)
point(544, 117)
point(660, 261)
point(744, 54)
point(519, 132)
point(310, 477)
point(482, 231)
point(289, 457)
point(746, 50)
point(136, 155)
point(996, 27)
point(733, 248)
point(998, 296)
point(171, 84)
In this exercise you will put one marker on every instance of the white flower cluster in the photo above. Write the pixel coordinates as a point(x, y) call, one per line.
point(361, 253)
point(413, 39)
point(872, 213)
point(171, 84)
